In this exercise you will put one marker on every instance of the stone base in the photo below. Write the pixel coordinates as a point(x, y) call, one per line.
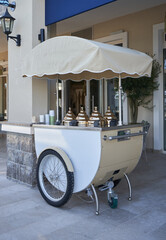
point(21, 163)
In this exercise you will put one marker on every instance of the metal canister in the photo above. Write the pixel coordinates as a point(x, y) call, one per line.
point(96, 118)
point(82, 118)
point(69, 117)
point(109, 117)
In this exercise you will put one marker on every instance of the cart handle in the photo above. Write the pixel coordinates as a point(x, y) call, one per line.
point(126, 136)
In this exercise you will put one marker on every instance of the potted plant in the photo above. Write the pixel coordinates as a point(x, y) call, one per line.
point(140, 90)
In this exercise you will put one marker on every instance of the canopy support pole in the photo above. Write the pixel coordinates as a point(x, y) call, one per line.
point(101, 103)
point(57, 100)
point(105, 95)
point(63, 98)
point(87, 97)
point(120, 102)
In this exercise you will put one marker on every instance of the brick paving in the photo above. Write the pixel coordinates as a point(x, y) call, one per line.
point(25, 215)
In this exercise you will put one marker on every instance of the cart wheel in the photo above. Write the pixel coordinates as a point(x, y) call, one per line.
point(54, 181)
point(113, 203)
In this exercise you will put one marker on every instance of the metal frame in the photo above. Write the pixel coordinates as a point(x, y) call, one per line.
point(17, 39)
point(57, 100)
point(129, 185)
point(88, 97)
point(127, 136)
point(96, 199)
point(120, 102)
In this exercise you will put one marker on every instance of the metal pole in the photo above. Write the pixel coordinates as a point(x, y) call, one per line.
point(48, 94)
point(120, 102)
point(101, 97)
point(93, 102)
point(129, 185)
point(57, 100)
point(105, 95)
point(63, 98)
point(96, 199)
point(87, 107)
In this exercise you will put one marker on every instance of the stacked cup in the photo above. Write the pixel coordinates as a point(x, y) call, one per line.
point(52, 117)
point(41, 118)
point(47, 119)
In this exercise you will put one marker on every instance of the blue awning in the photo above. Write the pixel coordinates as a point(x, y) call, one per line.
point(58, 10)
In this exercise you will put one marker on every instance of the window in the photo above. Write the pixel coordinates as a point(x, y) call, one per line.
point(110, 96)
point(85, 33)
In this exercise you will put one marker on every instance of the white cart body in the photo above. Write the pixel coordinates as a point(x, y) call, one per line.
point(94, 159)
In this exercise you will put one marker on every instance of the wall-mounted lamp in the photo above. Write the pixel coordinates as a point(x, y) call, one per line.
point(7, 22)
point(41, 36)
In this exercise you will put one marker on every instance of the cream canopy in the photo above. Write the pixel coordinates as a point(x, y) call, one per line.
point(78, 59)
point(74, 58)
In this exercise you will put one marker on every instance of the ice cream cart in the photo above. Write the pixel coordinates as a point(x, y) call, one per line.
point(76, 158)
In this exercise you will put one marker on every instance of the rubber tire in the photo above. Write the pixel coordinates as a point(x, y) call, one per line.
point(70, 180)
point(113, 203)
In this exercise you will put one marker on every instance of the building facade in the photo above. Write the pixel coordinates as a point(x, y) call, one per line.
point(139, 25)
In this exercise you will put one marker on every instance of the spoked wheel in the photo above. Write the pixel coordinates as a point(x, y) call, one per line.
point(54, 181)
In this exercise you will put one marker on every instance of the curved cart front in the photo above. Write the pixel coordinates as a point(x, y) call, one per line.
point(93, 154)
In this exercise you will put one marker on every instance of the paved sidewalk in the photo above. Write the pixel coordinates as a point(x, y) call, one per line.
point(24, 215)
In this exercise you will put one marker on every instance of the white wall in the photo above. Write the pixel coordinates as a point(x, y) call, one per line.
point(39, 87)
point(23, 92)
point(39, 97)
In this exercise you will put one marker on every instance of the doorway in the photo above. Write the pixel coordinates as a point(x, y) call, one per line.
point(77, 94)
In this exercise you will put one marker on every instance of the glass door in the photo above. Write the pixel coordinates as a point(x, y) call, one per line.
point(87, 94)
point(95, 96)
point(113, 97)
point(75, 95)
point(55, 97)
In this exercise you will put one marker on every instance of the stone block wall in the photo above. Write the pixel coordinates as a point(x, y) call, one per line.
point(21, 163)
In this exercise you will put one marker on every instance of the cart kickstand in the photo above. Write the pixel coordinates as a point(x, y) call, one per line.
point(129, 185)
point(96, 198)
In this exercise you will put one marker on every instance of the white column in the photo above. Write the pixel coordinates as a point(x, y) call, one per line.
point(27, 96)
point(158, 131)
